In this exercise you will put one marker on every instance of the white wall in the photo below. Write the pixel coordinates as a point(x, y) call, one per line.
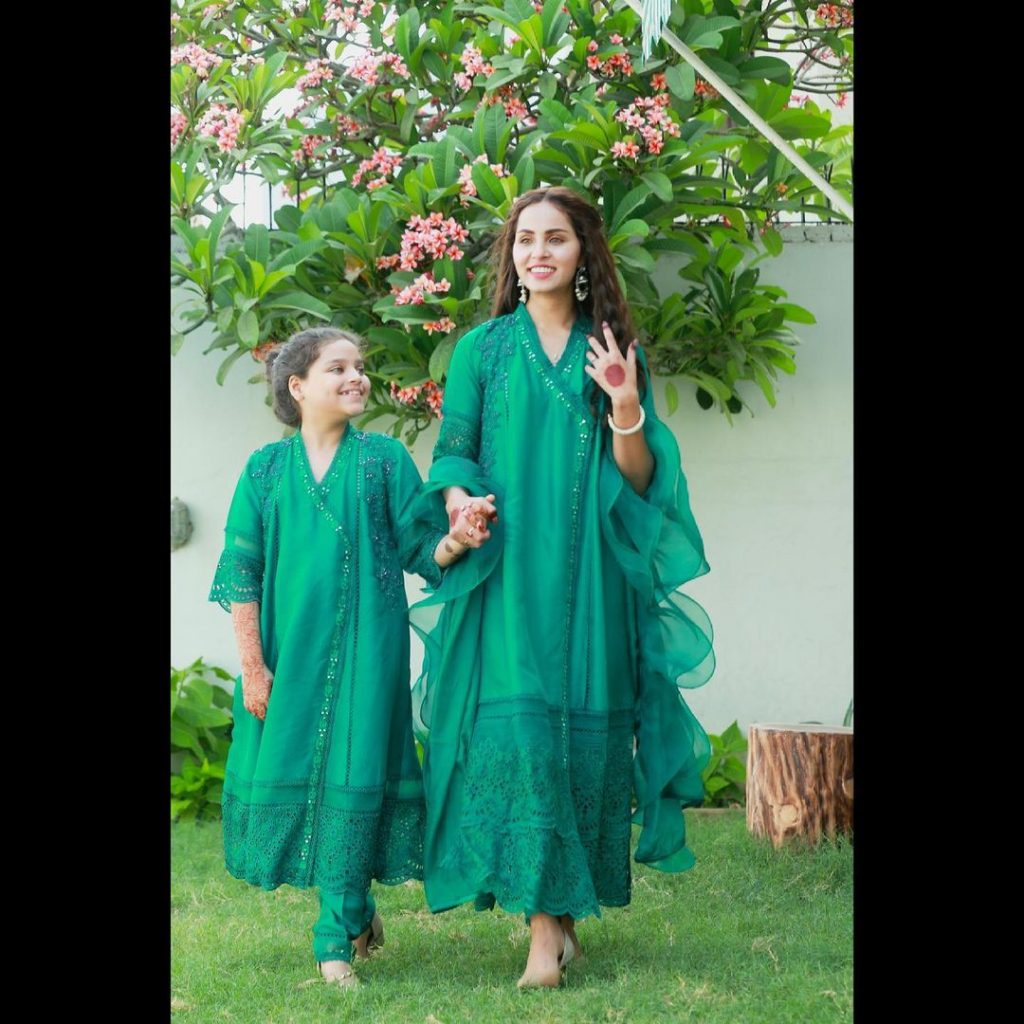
point(772, 496)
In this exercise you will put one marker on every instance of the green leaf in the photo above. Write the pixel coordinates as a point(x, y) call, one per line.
point(557, 112)
point(222, 371)
point(732, 735)
point(630, 202)
point(635, 228)
point(275, 277)
point(799, 124)
point(488, 184)
point(177, 338)
point(406, 31)
point(771, 68)
point(796, 313)
point(681, 80)
point(772, 241)
point(257, 243)
point(445, 163)
point(525, 172)
point(441, 356)
point(726, 71)
point(297, 253)
point(249, 328)
point(671, 397)
point(299, 300)
point(214, 230)
point(765, 385)
point(224, 319)
point(660, 184)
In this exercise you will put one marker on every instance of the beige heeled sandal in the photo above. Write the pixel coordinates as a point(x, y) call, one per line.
point(375, 939)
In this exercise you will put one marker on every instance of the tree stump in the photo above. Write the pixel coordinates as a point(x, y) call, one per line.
point(799, 781)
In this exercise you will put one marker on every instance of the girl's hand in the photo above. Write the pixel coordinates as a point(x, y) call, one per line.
point(256, 683)
point(615, 375)
point(467, 524)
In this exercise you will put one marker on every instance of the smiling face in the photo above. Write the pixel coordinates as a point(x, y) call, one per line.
point(335, 388)
point(545, 250)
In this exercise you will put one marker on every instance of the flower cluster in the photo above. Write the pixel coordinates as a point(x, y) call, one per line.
point(649, 116)
point(427, 238)
point(307, 147)
point(261, 351)
point(442, 326)
point(179, 122)
point(246, 60)
point(412, 294)
point(383, 162)
point(702, 88)
point(836, 15)
point(202, 61)
point(418, 395)
point(347, 125)
point(319, 71)
point(617, 62)
point(367, 67)
point(474, 64)
point(221, 123)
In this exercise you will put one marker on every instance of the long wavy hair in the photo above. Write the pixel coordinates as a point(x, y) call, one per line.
point(604, 300)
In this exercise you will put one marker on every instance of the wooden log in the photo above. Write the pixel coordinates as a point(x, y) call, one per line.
point(799, 781)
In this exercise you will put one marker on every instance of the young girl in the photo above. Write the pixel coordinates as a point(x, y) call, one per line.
point(323, 787)
point(561, 648)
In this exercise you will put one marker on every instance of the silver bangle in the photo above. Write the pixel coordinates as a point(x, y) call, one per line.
point(629, 430)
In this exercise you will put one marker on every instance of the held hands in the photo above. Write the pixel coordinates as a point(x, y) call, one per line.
point(256, 683)
point(469, 518)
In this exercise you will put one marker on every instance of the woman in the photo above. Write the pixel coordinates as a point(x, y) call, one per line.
point(560, 646)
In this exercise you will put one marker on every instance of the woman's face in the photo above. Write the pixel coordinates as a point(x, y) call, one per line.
point(545, 250)
point(335, 386)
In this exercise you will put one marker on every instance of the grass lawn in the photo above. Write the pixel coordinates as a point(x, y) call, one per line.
point(749, 936)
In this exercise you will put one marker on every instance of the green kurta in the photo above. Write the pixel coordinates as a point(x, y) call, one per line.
point(327, 790)
point(559, 642)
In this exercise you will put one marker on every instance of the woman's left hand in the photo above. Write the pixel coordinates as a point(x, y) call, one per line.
point(615, 374)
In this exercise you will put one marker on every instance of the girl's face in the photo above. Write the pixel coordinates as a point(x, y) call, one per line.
point(545, 250)
point(335, 386)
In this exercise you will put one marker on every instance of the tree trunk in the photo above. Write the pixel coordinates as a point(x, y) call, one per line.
point(799, 781)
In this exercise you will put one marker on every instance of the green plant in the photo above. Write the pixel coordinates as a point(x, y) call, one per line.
point(725, 775)
point(200, 736)
point(418, 124)
point(727, 328)
point(848, 717)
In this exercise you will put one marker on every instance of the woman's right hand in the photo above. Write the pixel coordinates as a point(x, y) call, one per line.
point(469, 517)
point(256, 683)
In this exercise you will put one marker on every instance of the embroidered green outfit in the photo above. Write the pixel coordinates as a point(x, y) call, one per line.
point(557, 644)
point(327, 790)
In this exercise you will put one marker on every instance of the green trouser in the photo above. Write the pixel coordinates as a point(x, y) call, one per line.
point(343, 916)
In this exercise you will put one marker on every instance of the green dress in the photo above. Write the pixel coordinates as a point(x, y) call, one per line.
point(559, 646)
point(327, 790)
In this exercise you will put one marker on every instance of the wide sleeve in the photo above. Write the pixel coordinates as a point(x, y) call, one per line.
point(655, 539)
point(457, 449)
point(419, 524)
point(239, 573)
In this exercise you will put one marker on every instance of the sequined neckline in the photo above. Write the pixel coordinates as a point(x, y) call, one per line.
point(553, 375)
point(570, 347)
point(327, 479)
